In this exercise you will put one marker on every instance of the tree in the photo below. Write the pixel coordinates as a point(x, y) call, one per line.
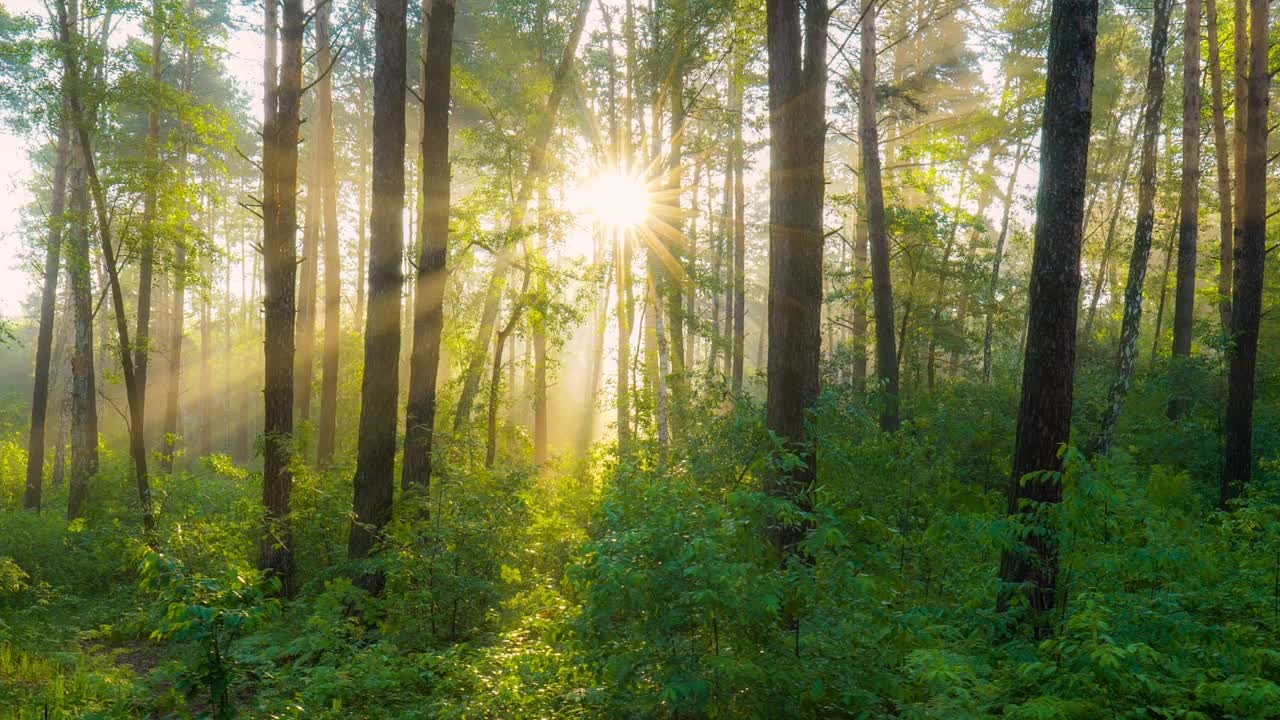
point(376, 445)
point(1044, 412)
point(797, 123)
point(1251, 256)
point(1131, 322)
point(1188, 232)
point(150, 200)
point(881, 284)
point(281, 122)
point(545, 124)
point(1223, 162)
point(738, 164)
point(428, 317)
point(48, 301)
point(327, 433)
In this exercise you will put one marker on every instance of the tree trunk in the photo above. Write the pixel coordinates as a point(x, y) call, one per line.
point(861, 244)
point(177, 315)
point(737, 114)
point(1129, 328)
point(1251, 255)
point(48, 303)
point(1223, 162)
point(308, 277)
point(1188, 231)
point(881, 285)
point(1164, 285)
point(280, 228)
point(146, 263)
point(1044, 413)
point(797, 123)
point(327, 435)
point(1110, 240)
point(941, 296)
point(622, 261)
point(532, 176)
point(432, 272)
point(376, 453)
point(989, 330)
point(1240, 89)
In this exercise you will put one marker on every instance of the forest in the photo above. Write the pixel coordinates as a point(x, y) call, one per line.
point(639, 359)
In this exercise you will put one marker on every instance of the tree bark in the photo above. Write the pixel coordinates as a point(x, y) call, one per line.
point(327, 435)
point(1251, 255)
point(280, 229)
point(881, 284)
point(1188, 229)
point(737, 114)
point(376, 445)
point(797, 122)
point(622, 260)
point(32, 496)
point(146, 264)
point(1131, 324)
point(1044, 413)
point(1223, 162)
point(428, 320)
point(309, 271)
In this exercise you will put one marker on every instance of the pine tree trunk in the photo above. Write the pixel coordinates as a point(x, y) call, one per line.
point(376, 446)
point(177, 313)
point(622, 261)
point(797, 44)
point(881, 284)
point(146, 261)
point(1044, 413)
point(280, 229)
point(1131, 324)
point(1164, 286)
point(737, 114)
point(327, 435)
point(1251, 256)
point(861, 240)
point(1223, 163)
point(308, 276)
point(432, 272)
point(1240, 90)
point(31, 498)
point(1188, 231)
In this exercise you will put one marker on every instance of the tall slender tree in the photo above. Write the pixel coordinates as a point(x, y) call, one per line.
point(281, 123)
point(376, 444)
point(428, 321)
point(327, 433)
point(1044, 412)
point(1188, 230)
point(797, 44)
point(1127, 353)
point(1222, 160)
point(1251, 257)
point(881, 284)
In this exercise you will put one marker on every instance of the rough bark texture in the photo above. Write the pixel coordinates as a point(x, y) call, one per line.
point(1188, 228)
point(327, 434)
point(797, 44)
point(1251, 255)
point(308, 277)
point(1240, 90)
point(280, 229)
point(1223, 162)
point(881, 285)
point(376, 445)
point(429, 300)
point(1044, 413)
point(44, 339)
point(1131, 323)
point(861, 250)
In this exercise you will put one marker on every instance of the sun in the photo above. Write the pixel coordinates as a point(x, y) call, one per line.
point(615, 200)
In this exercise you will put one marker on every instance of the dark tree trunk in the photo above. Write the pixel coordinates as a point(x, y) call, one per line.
point(1130, 326)
point(737, 114)
point(376, 445)
point(280, 230)
point(797, 44)
point(327, 435)
point(1188, 230)
point(432, 272)
point(1240, 90)
point(881, 285)
point(44, 340)
point(1251, 256)
point(308, 276)
point(1044, 414)
point(1223, 162)
point(861, 248)
point(146, 262)
point(1164, 286)
point(177, 314)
